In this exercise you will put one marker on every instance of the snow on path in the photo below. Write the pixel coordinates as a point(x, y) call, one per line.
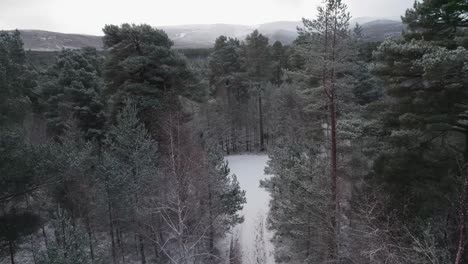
point(254, 237)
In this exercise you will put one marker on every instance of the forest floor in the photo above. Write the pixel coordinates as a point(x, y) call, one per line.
point(253, 236)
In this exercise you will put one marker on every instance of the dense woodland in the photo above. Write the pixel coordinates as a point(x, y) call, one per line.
point(118, 156)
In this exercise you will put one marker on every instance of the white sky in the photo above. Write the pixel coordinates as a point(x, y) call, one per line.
point(89, 16)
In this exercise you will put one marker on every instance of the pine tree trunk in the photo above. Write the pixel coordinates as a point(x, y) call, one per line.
point(333, 172)
point(340, 193)
point(331, 108)
point(333, 153)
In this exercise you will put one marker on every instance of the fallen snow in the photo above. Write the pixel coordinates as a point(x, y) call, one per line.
point(254, 237)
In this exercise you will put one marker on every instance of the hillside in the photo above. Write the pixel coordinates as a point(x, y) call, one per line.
point(379, 30)
point(203, 36)
point(39, 40)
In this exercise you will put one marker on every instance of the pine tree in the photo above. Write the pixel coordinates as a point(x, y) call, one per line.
point(437, 20)
point(14, 226)
point(226, 78)
point(25, 170)
point(425, 147)
point(17, 80)
point(142, 66)
point(326, 42)
point(73, 248)
point(278, 55)
point(300, 188)
point(129, 174)
point(259, 69)
point(72, 89)
point(225, 197)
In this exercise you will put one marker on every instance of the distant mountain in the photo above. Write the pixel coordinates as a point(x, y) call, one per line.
point(280, 25)
point(379, 30)
point(283, 31)
point(39, 40)
point(365, 20)
point(204, 36)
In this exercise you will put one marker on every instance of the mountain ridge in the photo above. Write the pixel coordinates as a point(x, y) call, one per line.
point(204, 35)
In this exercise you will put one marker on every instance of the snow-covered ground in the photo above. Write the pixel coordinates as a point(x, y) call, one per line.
point(254, 237)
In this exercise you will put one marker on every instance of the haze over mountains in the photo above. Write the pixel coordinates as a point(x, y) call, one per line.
point(203, 36)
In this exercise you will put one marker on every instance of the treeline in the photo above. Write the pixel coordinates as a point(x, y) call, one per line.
point(369, 160)
point(99, 158)
point(241, 75)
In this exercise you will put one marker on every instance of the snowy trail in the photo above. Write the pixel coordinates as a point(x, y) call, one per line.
point(254, 237)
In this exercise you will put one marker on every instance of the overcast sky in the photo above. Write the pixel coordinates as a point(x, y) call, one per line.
point(89, 16)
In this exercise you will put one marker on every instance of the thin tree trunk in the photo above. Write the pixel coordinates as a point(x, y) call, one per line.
point(90, 236)
point(227, 146)
point(139, 237)
point(246, 137)
point(233, 138)
point(120, 243)
point(461, 217)
point(255, 143)
point(462, 213)
point(12, 251)
point(111, 226)
point(161, 238)
point(333, 154)
point(333, 164)
point(64, 238)
point(155, 240)
point(156, 250)
point(462, 209)
point(260, 110)
point(33, 250)
point(211, 231)
point(142, 249)
point(308, 236)
point(44, 236)
point(31, 238)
